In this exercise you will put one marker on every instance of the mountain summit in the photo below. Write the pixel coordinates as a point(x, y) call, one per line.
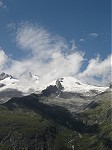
point(4, 75)
point(32, 84)
point(73, 85)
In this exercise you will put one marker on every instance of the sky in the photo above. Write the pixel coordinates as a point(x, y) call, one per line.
point(55, 38)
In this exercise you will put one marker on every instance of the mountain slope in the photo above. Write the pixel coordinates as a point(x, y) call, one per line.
point(26, 123)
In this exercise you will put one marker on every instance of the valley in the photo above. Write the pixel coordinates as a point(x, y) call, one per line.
point(55, 119)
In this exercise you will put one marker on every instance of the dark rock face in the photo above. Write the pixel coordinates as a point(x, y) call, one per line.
point(110, 86)
point(3, 76)
point(53, 89)
point(1, 85)
point(59, 85)
point(50, 90)
point(9, 93)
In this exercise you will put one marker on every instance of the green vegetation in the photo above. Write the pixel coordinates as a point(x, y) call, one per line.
point(24, 128)
point(100, 115)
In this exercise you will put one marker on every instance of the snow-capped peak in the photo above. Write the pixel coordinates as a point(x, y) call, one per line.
point(27, 84)
point(32, 77)
point(71, 84)
point(32, 83)
point(4, 75)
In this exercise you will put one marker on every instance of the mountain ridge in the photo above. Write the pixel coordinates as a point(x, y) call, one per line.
point(32, 83)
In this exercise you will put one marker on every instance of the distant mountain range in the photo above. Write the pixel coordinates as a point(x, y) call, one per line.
point(32, 84)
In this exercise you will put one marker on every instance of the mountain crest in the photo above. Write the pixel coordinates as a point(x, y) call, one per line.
point(4, 75)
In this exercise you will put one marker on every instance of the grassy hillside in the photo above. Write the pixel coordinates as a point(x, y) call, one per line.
point(26, 124)
point(100, 113)
point(24, 129)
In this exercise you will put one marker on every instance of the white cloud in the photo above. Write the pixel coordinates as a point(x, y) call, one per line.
point(81, 40)
point(94, 35)
point(51, 57)
point(45, 54)
point(97, 68)
point(3, 59)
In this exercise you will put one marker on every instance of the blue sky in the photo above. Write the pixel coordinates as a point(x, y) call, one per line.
point(86, 23)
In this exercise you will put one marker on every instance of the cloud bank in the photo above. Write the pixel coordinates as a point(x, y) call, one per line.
point(51, 57)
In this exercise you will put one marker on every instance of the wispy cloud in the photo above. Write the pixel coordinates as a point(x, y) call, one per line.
point(98, 68)
point(82, 40)
point(51, 57)
point(2, 5)
point(93, 35)
point(3, 59)
point(11, 26)
point(48, 56)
